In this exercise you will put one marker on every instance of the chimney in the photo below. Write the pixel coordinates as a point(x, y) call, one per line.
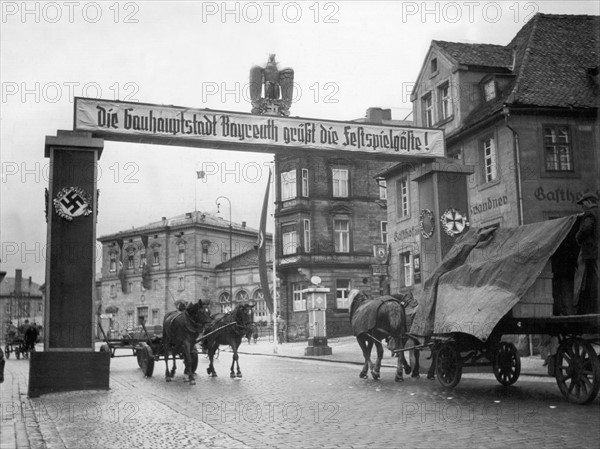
point(29, 283)
point(188, 215)
point(377, 115)
point(243, 224)
point(18, 280)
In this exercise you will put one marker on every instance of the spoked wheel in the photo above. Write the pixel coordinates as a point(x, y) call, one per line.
point(577, 371)
point(506, 363)
point(147, 360)
point(18, 353)
point(448, 367)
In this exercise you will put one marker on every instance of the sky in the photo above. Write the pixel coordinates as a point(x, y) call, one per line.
point(347, 56)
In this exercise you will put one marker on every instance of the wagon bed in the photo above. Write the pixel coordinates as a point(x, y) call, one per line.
point(497, 282)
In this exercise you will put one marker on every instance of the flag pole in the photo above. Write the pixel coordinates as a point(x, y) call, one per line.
point(275, 323)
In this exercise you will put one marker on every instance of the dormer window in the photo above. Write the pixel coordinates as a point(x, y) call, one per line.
point(489, 89)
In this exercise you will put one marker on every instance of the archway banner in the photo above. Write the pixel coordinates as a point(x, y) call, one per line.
point(174, 125)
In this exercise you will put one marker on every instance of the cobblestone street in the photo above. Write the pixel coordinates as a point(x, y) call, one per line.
point(289, 402)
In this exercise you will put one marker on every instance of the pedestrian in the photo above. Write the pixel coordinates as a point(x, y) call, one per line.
point(585, 295)
point(280, 329)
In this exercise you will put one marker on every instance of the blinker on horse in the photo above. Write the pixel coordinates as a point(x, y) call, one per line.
point(180, 332)
point(376, 319)
point(235, 326)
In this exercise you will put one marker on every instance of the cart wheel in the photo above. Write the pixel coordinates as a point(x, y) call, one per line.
point(506, 364)
point(138, 356)
point(147, 359)
point(7, 351)
point(577, 371)
point(448, 367)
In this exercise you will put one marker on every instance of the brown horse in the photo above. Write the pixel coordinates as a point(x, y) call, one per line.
point(235, 327)
point(180, 332)
point(376, 319)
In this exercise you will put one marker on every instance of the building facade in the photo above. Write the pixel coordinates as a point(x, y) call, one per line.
point(330, 213)
point(147, 270)
point(522, 139)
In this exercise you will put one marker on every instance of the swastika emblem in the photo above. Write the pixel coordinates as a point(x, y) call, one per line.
point(72, 202)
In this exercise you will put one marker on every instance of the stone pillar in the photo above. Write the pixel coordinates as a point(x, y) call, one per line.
point(69, 361)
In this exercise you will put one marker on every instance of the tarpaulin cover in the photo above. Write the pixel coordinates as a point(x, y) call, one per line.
point(484, 275)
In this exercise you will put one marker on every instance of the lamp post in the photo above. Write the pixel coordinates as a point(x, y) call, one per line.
point(230, 249)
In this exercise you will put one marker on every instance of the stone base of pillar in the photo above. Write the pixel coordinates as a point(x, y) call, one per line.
point(53, 372)
point(317, 346)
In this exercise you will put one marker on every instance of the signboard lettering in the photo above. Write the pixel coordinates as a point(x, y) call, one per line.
point(116, 120)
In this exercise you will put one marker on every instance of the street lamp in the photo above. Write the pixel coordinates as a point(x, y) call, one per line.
point(230, 250)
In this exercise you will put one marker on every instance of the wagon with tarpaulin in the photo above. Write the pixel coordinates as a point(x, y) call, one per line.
point(496, 282)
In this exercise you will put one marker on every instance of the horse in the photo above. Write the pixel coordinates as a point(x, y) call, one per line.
point(376, 319)
point(180, 332)
point(237, 322)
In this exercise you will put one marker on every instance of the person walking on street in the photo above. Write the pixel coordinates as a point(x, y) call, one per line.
point(280, 329)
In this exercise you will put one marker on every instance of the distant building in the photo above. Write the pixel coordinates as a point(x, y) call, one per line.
point(148, 269)
point(522, 139)
point(20, 299)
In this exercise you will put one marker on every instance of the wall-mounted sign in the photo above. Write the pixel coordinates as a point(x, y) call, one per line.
point(379, 270)
point(173, 125)
point(453, 222)
point(380, 252)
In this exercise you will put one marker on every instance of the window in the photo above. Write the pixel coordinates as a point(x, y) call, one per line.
point(340, 182)
point(113, 262)
point(307, 235)
point(288, 185)
point(299, 300)
point(289, 239)
point(434, 66)
point(181, 256)
point(444, 98)
point(383, 226)
point(156, 257)
point(205, 246)
point(342, 289)
point(181, 283)
point(242, 296)
point(155, 316)
point(305, 182)
point(142, 315)
point(403, 199)
point(224, 302)
point(129, 320)
point(489, 90)
point(427, 110)
point(112, 290)
point(142, 259)
point(341, 233)
point(490, 171)
point(130, 262)
point(382, 190)
point(130, 287)
point(40, 307)
point(557, 149)
point(406, 273)
point(206, 284)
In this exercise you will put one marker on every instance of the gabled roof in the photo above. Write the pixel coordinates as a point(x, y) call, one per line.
point(7, 287)
point(482, 55)
point(556, 60)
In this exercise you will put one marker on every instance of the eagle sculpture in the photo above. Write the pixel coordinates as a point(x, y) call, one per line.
point(271, 89)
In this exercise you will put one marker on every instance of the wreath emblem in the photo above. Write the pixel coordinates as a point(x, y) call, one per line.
point(426, 223)
point(453, 222)
point(72, 202)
